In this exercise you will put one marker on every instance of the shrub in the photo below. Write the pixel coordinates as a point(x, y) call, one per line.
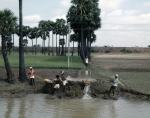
point(125, 51)
point(107, 51)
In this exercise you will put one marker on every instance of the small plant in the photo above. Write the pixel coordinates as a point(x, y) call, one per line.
point(125, 51)
point(107, 51)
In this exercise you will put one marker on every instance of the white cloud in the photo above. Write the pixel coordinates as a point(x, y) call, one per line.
point(58, 17)
point(65, 3)
point(131, 12)
point(140, 19)
point(7, 3)
point(146, 4)
point(58, 11)
point(110, 4)
point(115, 13)
point(32, 18)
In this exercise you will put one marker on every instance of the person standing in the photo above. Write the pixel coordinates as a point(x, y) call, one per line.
point(31, 72)
point(114, 85)
point(86, 61)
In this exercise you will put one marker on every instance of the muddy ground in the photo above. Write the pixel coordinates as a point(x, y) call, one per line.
point(128, 66)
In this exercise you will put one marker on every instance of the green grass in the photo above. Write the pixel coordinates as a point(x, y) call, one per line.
point(45, 61)
point(136, 80)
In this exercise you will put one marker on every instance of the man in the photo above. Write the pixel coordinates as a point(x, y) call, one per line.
point(86, 61)
point(56, 83)
point(114, 85)
point(65, 81)
point(31, 72)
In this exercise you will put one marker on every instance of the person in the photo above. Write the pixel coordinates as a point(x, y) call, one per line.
point(86, 61)
point(65, 81)
point(56, 83)
point(114, 85)
point(31, 72)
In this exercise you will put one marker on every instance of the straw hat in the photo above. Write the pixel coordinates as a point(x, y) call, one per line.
point(30, 67)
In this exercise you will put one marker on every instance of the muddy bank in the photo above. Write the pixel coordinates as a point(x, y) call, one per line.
point(77, 91)
point(98, 89)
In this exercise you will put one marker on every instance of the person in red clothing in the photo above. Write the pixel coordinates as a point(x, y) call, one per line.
point(31, 72)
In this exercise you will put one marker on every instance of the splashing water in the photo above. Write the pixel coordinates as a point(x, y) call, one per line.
point(86, 90)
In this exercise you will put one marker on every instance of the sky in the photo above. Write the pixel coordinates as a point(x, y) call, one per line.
point(125, 23)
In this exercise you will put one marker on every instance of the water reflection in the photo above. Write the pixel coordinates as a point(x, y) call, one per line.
point(34, 106)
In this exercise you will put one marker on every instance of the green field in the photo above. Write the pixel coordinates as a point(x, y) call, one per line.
point(45, 61)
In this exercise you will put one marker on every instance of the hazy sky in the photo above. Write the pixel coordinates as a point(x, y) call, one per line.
point(124, 22)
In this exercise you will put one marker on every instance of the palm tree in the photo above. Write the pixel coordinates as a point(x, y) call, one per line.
point(82, 14)
point(15, 28)
point(7, 21)
point(74, 37)
point(22, 72)
point(59, 25)
point(65, 31)
point(50, 25)
point(44, 33)
point(62, 43)
point(34, 33)
point(31, 36)
point(26, 31)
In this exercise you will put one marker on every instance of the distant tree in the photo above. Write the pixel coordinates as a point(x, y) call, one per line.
point(62, 43)
point(50, 25)
point(73, 38)
point(44, 33)
point(34, 34)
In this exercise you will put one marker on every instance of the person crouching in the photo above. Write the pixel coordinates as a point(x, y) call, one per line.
point(65, 81)
point(56, 84)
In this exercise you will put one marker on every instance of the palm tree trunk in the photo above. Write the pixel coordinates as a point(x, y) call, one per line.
point(49, 44)
point(82, 43)
point(13, 43)
point(44, 47)
point(56, 46)
point(22, 72)
point(59, 46)
point(32, 46)
point(52, 44)
point(73, 48)
point(66, 46)
point(36, 46)
point(10, 75)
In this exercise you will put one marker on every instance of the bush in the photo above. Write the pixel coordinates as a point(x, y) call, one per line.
point(92, 50)
point(107, 51)
point(125, 51)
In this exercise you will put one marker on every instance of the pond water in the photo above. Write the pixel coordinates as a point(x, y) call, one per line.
point(39, 106)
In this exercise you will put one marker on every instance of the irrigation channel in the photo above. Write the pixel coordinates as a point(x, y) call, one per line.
point(39, 106)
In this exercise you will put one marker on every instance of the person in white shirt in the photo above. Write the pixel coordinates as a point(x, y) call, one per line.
point(114, 85)
point(86, 61)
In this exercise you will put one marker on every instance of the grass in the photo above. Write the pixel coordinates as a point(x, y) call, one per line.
point(44, 61)
point(136, 80)
point(133, 78)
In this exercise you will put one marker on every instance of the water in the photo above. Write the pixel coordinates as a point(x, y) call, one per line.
point(38, 106)
point(86, 92)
